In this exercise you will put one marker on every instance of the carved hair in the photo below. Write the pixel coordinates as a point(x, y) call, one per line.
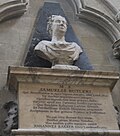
point(50, 21)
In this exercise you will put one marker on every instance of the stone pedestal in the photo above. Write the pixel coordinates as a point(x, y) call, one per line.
point(64, 102)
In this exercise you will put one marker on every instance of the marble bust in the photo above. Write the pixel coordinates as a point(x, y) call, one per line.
point(60, 53)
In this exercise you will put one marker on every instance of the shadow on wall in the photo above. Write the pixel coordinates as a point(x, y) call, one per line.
point(40, 33)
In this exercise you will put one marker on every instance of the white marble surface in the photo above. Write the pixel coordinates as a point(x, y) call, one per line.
point(58, 51)
point(32, 132)
point(94, 78)
point(92, 87)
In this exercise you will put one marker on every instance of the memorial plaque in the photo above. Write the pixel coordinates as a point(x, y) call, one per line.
point(54, 106)
point(64, 102)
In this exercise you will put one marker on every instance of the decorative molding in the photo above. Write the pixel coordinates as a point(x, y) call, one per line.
point(98, 18)
point(41, 75)
point(116, 49)
point(12, 8)
point(77, 5)
point(11, 122)
point(115, 11)
point(110, 6)
point(80, 132)
point(117, 17)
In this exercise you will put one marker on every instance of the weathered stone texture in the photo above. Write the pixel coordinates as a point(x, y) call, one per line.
point(98, 48)
point(15, 35)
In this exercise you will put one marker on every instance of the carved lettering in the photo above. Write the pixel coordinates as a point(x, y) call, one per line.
point(65, 107)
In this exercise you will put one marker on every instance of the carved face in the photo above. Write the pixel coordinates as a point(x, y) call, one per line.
point(59, 24)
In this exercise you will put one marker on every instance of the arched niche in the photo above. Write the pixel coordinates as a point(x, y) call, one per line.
point(102, 19)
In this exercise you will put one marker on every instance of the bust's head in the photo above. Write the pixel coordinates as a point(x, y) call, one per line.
point(56, 23)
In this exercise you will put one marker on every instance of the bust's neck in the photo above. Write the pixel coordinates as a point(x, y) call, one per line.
point(58, 37)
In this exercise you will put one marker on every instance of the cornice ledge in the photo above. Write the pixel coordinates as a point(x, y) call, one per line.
point(12, 8)
point(18, 75)
point(46, 132)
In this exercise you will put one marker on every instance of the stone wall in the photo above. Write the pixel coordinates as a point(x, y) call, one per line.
point(15, 37)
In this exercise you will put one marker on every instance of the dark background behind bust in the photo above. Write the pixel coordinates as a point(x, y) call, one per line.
point(40, 33)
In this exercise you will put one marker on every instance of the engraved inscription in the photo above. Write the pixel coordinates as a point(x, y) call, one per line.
point(67, 101)
point(65, 107)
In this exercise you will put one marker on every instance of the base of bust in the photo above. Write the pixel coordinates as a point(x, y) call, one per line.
point(70, 67)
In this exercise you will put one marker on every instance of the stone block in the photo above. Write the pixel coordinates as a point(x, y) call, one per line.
point(64, 101)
